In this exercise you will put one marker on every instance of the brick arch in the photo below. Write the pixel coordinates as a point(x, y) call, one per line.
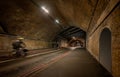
point(74, 40)
point(105, 57)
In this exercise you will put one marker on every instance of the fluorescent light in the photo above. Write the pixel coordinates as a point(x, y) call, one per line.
point(57, 21)
point(44, 9)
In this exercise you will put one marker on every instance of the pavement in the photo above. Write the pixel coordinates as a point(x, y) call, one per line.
point(62, 63)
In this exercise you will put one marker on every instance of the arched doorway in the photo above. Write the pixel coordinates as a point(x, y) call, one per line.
point(105, 49)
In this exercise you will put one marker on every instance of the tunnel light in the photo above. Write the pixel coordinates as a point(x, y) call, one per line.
point(73, 38)
point(72, 48)
point(44, 9)
point(20, 38)
point(57, 21)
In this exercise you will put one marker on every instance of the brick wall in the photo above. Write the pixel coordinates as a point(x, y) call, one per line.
point(112, 22)
point(6, 44)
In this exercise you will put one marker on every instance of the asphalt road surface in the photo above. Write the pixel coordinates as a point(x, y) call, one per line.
point(61, 63)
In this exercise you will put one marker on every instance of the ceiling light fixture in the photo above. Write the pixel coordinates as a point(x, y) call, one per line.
point(57, 21)
point(44, 9)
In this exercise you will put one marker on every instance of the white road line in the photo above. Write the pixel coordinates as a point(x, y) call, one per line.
point(7, 60)
point(29, 56)
point(40, 54)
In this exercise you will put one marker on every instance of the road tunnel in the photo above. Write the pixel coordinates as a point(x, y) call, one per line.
point(61, 24)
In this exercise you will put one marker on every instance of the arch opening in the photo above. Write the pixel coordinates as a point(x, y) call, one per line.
point(71, 36)
point(105, 57)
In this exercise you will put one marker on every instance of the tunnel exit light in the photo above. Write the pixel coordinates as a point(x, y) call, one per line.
point(73, 38)
point(44, 9)
point(20, 38)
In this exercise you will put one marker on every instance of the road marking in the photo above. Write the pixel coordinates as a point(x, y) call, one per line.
point(29, 56)
point(41, 53)
point(7, 60)
point(43, 66)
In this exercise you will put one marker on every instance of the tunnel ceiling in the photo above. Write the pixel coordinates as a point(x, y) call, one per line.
point(25, 17)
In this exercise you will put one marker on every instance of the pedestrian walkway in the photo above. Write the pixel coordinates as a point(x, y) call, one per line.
point(79, 63)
